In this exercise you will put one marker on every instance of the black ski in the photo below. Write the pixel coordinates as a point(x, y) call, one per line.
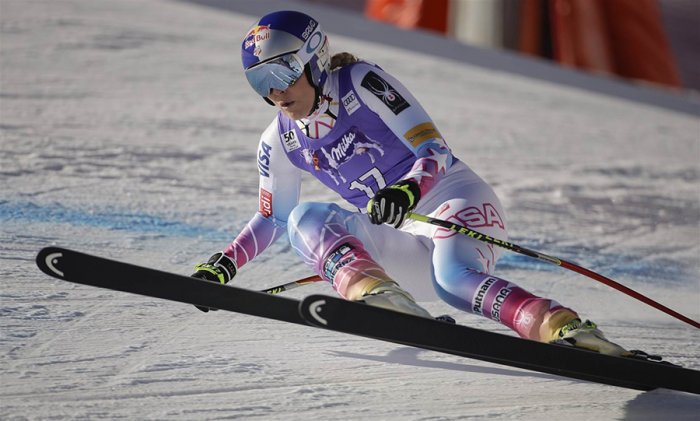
point(86, 269)
point(360, 319)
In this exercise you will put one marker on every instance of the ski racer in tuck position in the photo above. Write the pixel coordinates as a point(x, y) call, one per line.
point(360, 132)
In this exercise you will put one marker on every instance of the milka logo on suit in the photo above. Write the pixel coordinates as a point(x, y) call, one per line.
point(331, 157)
point(339, 152)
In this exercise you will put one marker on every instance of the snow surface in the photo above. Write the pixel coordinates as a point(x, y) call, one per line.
point(128, 131)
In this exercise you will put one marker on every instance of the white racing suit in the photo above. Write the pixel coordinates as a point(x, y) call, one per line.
point(368, 133)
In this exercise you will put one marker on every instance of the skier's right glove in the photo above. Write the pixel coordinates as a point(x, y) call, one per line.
point(391, 204)
point(220, 269)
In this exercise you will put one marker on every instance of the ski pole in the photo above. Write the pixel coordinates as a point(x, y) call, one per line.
point(553, 260)
point(292, 285)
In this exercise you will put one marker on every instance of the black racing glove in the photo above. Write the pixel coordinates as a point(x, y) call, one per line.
point(220, 269)
point(391, 204)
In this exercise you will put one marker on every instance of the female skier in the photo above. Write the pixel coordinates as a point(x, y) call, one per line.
point(362, 133)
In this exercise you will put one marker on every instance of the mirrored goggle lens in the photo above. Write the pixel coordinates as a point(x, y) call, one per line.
point(279, 74)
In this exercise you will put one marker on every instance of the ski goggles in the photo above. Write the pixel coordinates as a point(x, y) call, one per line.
point(279, 73)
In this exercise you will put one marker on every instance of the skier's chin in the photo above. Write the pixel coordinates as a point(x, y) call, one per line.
point(293, 111)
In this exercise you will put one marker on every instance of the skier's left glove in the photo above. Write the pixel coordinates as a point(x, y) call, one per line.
point(391, 204)
point(219, 269)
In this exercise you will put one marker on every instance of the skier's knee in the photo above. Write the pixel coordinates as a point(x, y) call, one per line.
point(315, 226)
point(454, 288)
point(309, 216)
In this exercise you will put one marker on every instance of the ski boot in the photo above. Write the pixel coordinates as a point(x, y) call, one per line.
point(390, 296)
point(587, 335)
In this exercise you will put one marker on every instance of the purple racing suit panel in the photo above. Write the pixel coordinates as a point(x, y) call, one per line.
point(408, 120)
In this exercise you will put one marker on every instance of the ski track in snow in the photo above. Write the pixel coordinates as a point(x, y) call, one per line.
point(128, 131)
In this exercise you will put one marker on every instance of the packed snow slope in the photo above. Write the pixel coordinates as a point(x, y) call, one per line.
point(129, 131)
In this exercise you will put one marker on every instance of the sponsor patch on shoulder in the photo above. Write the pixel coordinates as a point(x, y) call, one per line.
point(421, 133)
point(350, 102)
point(385, 92)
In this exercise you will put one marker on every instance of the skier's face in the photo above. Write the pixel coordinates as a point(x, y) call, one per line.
point(296, 101)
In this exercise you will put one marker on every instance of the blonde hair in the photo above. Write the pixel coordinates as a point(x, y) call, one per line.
point(341, 59)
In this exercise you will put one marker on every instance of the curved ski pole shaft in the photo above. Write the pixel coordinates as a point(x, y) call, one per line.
point(292, 285)
point(553, 260)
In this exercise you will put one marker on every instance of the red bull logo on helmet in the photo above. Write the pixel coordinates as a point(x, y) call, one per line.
point(258, 33)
